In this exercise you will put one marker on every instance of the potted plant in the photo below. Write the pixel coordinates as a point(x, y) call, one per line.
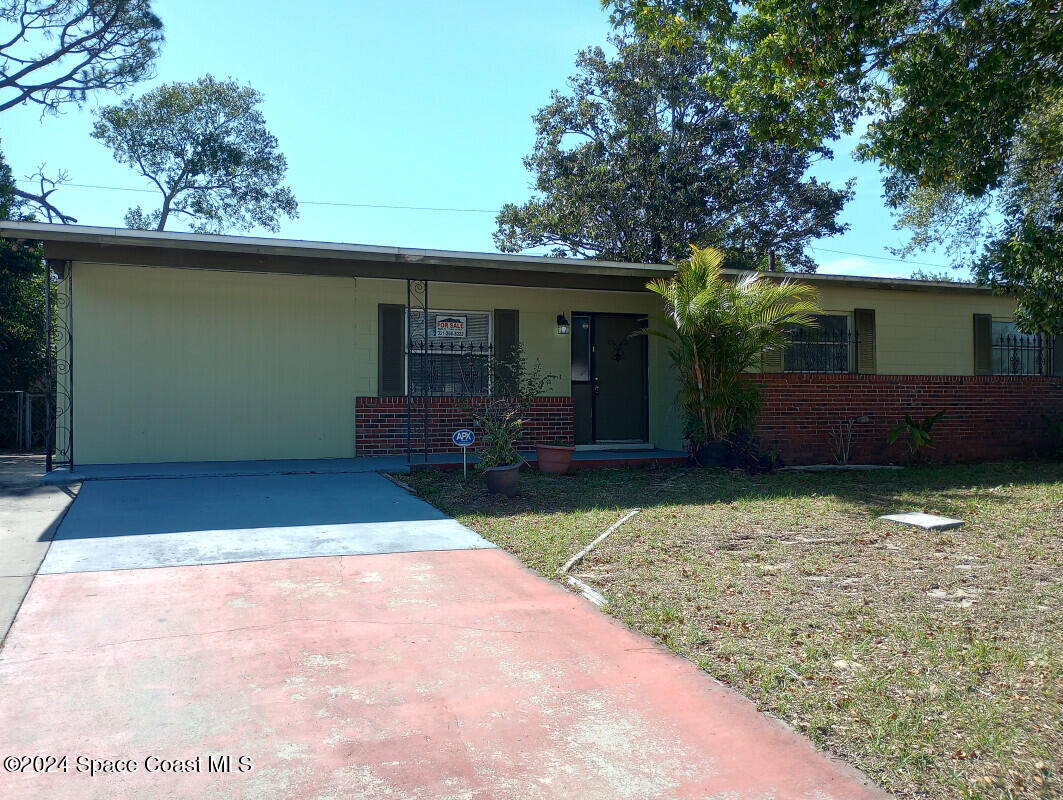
point(555, 456)
point(500, 417)
point(718, 328)
point(501, 425)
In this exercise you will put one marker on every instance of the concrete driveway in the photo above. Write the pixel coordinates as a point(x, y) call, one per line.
point(333, 637)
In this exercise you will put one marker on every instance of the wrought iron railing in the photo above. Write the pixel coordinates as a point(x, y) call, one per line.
point(1022, 354)
point(821, 351)
point(449, 368)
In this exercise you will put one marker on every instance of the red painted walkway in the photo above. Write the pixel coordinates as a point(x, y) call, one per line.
point(415, 675)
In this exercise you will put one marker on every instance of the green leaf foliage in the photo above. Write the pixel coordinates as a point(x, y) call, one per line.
point(206, 148)
point(55, 52)
point(718, 329)
point(639, 159)
point(22, 345)
point(919, 432)
point(958, 97)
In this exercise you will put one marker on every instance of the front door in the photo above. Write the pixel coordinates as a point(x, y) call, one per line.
point(609, 378)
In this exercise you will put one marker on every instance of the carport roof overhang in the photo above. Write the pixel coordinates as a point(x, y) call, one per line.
point(289, 256)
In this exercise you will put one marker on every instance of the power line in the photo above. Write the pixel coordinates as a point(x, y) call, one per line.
point(879, 258)
point(306, 202)
point(337, 204)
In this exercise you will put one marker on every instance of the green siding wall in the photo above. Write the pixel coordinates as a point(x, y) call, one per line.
point(198, 365)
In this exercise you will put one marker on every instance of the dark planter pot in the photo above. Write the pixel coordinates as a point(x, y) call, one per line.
point(554, 458)
point(502, 480)
point(712, 454)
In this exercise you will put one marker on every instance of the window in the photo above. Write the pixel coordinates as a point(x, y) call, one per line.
point(581, 348)
point(455, 358)
point(822, 349)
point(1017, 353)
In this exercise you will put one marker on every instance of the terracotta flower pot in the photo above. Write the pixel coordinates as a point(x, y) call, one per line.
point(554, 458)
point(502, 480)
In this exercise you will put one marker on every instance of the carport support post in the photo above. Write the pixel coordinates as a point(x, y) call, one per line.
point(49, 424)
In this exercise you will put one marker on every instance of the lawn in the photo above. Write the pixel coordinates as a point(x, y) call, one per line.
point(932, 661)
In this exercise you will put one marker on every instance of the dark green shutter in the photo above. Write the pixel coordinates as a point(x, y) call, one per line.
point(506, 338)
point(391, 350)
point(506, 333)
point(864, 319)
point(1057, 356)
point(983, 344)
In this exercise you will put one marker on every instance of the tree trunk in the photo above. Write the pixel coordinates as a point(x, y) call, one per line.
point(701, 396)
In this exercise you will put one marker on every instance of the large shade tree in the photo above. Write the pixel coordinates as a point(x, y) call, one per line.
point(55, 53)
point(951, 91)
point(205, 147)
point(639, 159)
point(1012, 238)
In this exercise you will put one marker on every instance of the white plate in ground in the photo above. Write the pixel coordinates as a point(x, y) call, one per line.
point(928, 522)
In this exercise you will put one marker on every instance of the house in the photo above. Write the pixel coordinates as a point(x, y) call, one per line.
point(184, 347)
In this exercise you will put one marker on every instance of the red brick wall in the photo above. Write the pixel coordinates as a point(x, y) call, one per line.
point(380, 423)
point(987, 417)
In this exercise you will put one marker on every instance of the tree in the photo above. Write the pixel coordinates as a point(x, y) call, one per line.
point(205, 147)
point(947, 83)
point(942, 276)
point(21, 299)
point(55, 52)
point(950, 91)
point(1011, 238)
point(640, 159)
point(717, 330)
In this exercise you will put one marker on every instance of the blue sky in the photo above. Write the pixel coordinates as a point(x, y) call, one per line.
point(411, 103)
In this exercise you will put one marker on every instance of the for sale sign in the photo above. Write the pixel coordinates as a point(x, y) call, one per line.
point(450, 327)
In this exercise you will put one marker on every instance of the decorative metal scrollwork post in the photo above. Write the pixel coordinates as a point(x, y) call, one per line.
point(59, 363)
point(416, 347)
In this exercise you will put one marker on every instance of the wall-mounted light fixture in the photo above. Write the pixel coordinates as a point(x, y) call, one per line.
point(562, 325)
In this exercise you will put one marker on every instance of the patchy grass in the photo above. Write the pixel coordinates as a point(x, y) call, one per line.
point(932, 661)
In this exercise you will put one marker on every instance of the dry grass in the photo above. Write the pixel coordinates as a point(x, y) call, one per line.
point(932, 661)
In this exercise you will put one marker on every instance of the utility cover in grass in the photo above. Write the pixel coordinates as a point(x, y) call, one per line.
point(928, 522)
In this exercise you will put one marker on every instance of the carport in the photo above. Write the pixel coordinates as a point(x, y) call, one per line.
point(177, 347)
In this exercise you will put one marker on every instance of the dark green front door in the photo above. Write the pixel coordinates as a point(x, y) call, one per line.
point(609, 381)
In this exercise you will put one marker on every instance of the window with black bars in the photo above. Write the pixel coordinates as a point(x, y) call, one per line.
point(1018, 353)
point(455, 359)
point(829, 347)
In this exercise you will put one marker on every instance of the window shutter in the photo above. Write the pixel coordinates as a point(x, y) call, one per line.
point(1057, 356)
point(506, 337)
point(983, 344)
point(391, 349)
point(771, 361)
point(864, 318)
point(507, 332)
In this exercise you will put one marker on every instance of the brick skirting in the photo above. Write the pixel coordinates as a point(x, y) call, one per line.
point(988, 417)
point(380, 423)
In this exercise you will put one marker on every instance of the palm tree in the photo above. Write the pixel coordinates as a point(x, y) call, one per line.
point(718, 330)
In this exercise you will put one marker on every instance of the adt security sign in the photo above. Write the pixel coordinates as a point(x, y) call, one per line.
point(464, 439)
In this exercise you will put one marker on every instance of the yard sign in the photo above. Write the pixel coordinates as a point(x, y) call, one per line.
point(450, 327)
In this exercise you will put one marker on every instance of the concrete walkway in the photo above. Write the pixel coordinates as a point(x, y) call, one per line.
point(413, 675)
point(29, 516)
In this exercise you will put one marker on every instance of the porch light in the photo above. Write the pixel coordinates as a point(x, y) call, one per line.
point(562, 325)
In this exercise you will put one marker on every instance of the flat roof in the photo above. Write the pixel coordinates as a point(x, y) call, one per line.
point(266, 254)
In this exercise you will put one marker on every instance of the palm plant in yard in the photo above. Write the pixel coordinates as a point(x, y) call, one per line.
point(718, 330)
